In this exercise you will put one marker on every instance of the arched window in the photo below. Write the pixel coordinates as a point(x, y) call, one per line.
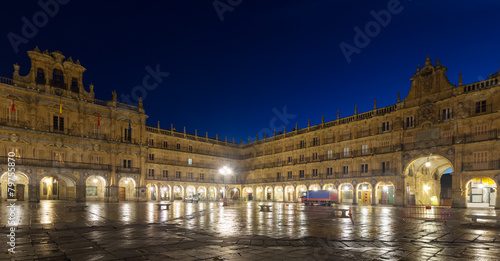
point(74, 85)
point(40, 76)
point(58, 78)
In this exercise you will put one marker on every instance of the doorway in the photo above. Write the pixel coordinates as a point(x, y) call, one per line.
point(20, 192)
point(366, 196)
point(122, 194)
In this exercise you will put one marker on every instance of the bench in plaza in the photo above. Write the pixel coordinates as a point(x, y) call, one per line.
point(160, 205)
point(344, 211)
point(265, 207)
point(476, 217)
point(77, 207)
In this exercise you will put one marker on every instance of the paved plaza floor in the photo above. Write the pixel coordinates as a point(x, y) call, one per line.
point(209, 231)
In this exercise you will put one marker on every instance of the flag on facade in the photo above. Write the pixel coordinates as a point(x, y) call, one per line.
point(98, 120)
point(129, 126)
point(60, 107)
point(12, 107)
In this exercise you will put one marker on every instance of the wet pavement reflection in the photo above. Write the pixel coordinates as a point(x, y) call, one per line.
point(114, 231)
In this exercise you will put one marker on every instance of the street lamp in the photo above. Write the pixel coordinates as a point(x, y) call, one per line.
point(225, 171)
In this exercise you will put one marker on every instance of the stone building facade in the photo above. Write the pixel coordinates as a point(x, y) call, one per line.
point(70, 145)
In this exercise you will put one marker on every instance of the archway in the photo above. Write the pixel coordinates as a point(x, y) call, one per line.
point(190, 191)
point(235, 193)
point(446, 182)
point(152, 191)
point(248, 193)
point(95, 186)
point(268, 193)
point(259, 193)
point(314, 187)
point(422, 179)
point(289, 192)
point(165, 192)
point(481, 193)
point(126, 188)
point(212, 193)
point(57, 187)
point(364, 191)
point(202, 193)
point(346, 193)
point(21, 186)
point(329, 186)
point(178, 192)
point(385, 193)
point(278, 193)
point(300, 190)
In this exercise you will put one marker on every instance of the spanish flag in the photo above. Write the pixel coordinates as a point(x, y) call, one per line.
point(60, 107)
point(98, 120)
point(12, 107)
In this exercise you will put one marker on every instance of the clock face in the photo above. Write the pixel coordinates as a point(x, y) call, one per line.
point(58, 92)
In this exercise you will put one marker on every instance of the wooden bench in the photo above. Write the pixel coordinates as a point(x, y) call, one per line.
point(476, 217)
point(344, 211)
point(265, 207)
point(160, 205)
point(80, 207)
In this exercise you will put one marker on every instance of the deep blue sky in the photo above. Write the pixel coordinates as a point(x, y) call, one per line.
point(226, 77)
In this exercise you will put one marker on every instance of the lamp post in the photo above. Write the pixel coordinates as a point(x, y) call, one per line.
point(225, 171)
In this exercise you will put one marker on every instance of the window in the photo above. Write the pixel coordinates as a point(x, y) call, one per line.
point(151, 173)
point(364, 149)
point(127, 163)
point(190, 161)
point(364, 168)
point(40, 76)
point(202, 176)
point(315, 156)
point(315, 172)
point(409, 122)
point(91, 190)
point(74, 85)
point(212, 177)
point(278, 175)
point(329, 154)
point(345, 170)
point(302, 144)
point(16, 151)
point(301, 157)
point(151, 142)
point(385, 166)
point(479, 130)
point(346, 152)
point(329, 171)
point(446, 114)
point(12, 116)
point(58, 157)
point(279, 161)
point(289, 159)
point(315, 141)
point(480, 159)
point(301, 174)
point(151, 157)
point(127, 134)
point(480, 106)
point(165, 173)
point(57, 78)
point(385, 126)
point(190, 175)
point(178, 146)
point(58, 123)
point(177, 174)
point(190, 148)
point(289, 175)
point(95, 159)
point(165, 144)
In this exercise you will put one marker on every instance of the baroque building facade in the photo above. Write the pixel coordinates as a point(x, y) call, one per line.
point(69, 145)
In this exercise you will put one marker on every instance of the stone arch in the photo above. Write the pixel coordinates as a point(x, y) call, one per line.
point(268, 193)
point(329, 186)
point(315, 187)
point(422, 179)
point(202, 192)
point(212, 193)
point(346, 192)
point(178, 192)
point(259, 193)
point(190, 191)
point(481, 192)
point(384, 193)
point(290, 193)
point(95, 187)
point(300, 188)
point(152, 191)
point(59, 186)
point(22, 183)
point(248, 193)
point(165, 192)
point(279, 193)
point(234, 193)
point(126, 188)
point(364, 193)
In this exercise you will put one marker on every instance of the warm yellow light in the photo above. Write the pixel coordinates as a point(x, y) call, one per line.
point(126, 181)
point(426, 188)
point(385, 187)
point(95, 180)
point(480, 185)
point(427, 164)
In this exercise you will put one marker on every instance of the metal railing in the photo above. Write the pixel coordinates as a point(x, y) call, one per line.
point(56, 164)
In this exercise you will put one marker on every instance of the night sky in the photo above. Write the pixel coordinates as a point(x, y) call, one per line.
point(227, 76)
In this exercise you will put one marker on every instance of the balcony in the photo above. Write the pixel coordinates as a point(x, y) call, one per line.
point(482, 136)
point(120, 169)
point(56, 164)
point(487, 165)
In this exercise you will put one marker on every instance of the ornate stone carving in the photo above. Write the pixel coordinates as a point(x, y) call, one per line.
point(14, 137)
point(450, 152)
point(354, 182)
point(406, 156)
point(373, 181)
point(337, 183)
